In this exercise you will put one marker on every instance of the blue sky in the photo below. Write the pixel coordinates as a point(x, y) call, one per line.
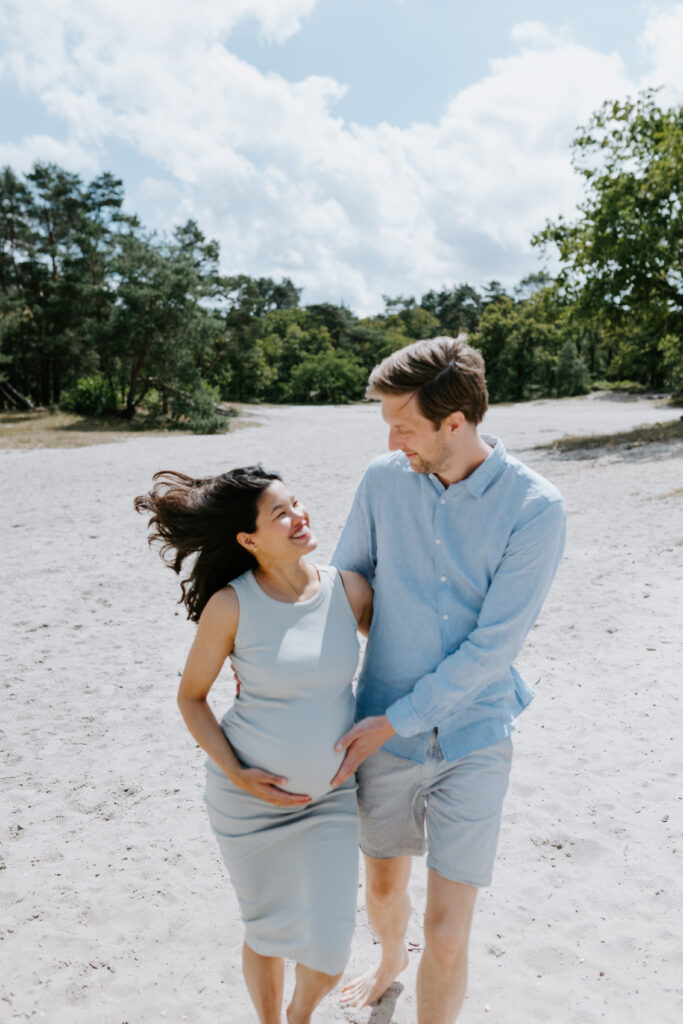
point(360, 148)
point(403, 61)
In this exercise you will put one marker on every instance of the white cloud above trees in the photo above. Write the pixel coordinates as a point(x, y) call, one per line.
point(266, 166)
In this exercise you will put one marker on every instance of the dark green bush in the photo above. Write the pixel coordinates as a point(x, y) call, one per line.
point(196, 411)
point(91, 396)
point(327, 376)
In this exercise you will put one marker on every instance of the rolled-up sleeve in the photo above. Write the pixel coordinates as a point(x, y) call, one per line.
point(510, 608)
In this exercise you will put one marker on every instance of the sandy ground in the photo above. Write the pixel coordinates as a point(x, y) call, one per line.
point(114, 904)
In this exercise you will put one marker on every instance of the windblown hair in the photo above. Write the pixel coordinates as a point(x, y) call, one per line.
point(203, 516)
point(446, 374)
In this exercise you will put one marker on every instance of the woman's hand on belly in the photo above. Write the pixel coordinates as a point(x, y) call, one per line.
point(266, 786)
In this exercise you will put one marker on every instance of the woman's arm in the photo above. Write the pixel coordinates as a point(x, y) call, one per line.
point(359, 594)
point(212, 645)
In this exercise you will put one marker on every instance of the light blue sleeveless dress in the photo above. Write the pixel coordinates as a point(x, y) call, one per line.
point(295, 870)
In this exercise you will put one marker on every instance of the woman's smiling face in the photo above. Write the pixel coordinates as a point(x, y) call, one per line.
point(282, 526)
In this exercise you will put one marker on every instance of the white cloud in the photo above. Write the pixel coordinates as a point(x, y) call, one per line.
point(662, 41)
point(264, 165)
point(537, 35)
point(21, 156)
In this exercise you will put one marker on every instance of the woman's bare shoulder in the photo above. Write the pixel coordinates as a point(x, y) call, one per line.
point(222, 610)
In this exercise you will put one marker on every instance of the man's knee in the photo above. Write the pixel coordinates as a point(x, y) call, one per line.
point(383, 892)
point(447, 938)
point(448, 918)
point(387, 880)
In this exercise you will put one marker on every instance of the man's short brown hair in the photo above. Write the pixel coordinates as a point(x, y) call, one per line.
point(446, 374)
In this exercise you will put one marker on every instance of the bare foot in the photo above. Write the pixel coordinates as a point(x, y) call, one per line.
point(372, 984)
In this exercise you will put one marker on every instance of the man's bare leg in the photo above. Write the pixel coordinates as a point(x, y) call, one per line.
point(388, 904)
point(442, 974)
point(311, 986)
point(265, 978)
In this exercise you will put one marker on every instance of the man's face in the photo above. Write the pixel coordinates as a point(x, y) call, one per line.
point(413, 434)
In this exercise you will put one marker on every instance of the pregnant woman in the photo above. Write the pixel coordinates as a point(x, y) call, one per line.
point(290, 629)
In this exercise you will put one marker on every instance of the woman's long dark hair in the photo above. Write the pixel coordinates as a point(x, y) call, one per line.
point(203, 517)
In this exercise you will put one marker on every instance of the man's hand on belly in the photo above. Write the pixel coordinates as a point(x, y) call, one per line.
point(363, 739)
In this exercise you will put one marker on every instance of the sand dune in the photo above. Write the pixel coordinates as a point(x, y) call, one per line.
point(115, 907)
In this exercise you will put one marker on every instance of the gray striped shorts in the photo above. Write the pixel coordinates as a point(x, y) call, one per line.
point(458, 804)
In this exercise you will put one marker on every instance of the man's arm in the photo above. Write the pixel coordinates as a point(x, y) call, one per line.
point(357, 548)
point(509, 610)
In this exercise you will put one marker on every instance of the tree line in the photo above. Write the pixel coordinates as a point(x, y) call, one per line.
point(100, 315)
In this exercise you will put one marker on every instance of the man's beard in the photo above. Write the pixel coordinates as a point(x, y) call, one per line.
point(436, 464)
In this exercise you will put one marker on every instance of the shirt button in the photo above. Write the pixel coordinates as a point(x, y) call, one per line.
point(443, 501)
point(438, 541)
point(443, 579)
point(445, 618)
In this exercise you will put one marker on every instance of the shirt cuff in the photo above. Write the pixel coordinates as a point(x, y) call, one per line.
point(404, 719)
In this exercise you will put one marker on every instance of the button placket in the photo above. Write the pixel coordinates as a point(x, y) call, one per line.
point(438, 518)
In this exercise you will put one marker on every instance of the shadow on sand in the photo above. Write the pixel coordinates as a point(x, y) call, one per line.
point(383, 1011)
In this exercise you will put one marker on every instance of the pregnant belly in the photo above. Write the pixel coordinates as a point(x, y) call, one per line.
point(292, 745)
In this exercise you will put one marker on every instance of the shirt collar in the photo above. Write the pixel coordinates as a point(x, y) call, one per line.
point(492, 466)
point(484, 475)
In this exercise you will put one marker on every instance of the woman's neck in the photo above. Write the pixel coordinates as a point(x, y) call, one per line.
point(296, 581)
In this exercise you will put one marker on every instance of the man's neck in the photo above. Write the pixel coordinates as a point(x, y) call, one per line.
point(468, 458)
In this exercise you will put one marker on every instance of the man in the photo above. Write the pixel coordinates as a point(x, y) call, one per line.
point(460, 542)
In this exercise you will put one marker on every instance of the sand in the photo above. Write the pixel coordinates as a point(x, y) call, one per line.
point(114, 903)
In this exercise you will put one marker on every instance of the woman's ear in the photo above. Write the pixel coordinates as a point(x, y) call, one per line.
point(247, 541)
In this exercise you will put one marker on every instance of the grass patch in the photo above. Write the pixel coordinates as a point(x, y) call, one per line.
point(627, 387)
point(45, 429)
point(665, 433)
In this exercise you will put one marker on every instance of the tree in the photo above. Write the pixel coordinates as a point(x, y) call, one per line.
point(457, 309)
point(531, 348)
point(532, 283)
point(671, 347)
point(338, 320)
point(373, 338)
point(404, 315)
point(623, 258)
point(572, 376)
point(158, 327)
point(254, 297)
point(55, 239)
point(327, 376)
point(494, 292)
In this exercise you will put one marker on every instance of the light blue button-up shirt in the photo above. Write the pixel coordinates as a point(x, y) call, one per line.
point(459, 574)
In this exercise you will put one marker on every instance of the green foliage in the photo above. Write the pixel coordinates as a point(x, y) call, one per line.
point(624, 386)
point(196, 411)
point(572, 374)
point(622, 260)
point(97, 313)
point(671, 348)
point(457, 309)
point(521, 344)
point(327, 377)
point(413, 323)
point(91, 396)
